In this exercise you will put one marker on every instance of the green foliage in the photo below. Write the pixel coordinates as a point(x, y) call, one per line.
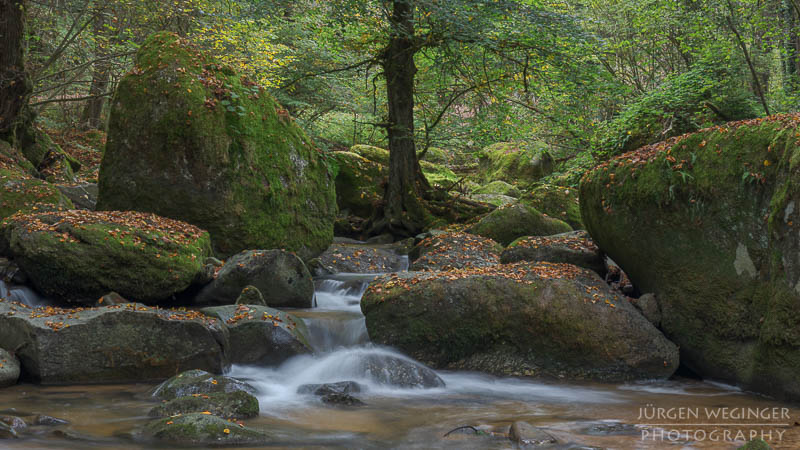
point(705, 95)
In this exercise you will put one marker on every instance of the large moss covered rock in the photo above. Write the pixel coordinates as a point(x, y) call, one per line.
point(515, 162)
point(110, 344)
point(556, 201)
point(507, 223)
point(708, 222)
point(517, 320)
point(261, 335)
point(82, 255)
point(195, 141)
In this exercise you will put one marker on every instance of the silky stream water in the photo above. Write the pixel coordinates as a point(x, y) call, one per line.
point(580, 415)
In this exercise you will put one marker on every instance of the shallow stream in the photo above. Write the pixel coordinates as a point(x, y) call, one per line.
point(580, 415)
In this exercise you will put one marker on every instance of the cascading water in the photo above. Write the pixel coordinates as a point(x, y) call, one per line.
point(22, 294)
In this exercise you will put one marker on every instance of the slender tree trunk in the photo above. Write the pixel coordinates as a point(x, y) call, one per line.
point(403, 212)
point(92, 116)
point(15, 84)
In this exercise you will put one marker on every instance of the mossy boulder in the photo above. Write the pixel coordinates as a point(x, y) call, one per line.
point(198, 429)
point(358, 183)
point(110, 344)
point(80, 256)
point(555, 201)
point(574, 247)
point(517, 163)
point(281, 277)
point(260, 335)
point(499, 187)
point(436, 155)
point(193, 140)
point(238, 404)
point(507, 223)
point(372, 153)
point(250, 295)
point(455, 251)
point(548, 320)
point(19, 192)
point(708, 223)
point(198, 381)
point(358, 258)
point(438, 174)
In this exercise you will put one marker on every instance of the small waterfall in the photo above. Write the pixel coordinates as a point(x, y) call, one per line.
point(22, 294)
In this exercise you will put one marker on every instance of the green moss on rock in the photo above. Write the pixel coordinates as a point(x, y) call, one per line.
point(358, 183)
point(82, 255)
point(193, 140)
point(707, 222)
point(507, 223)
point(559, 202)
point(515, 163)
point(499, 187)
point(202, 429)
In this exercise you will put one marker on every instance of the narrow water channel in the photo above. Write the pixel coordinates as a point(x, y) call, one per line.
point(580, 415)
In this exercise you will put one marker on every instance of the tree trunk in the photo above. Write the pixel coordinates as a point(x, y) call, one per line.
point(92, 116)
point(15, 84)
point(404, 212)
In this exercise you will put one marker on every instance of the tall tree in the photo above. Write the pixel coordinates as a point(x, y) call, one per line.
point(15, 84)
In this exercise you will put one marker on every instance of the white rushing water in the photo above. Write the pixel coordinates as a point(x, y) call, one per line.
point(22, 294)
point(343, 353)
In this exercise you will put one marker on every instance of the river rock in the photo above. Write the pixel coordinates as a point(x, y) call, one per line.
point(9, 368)
point(399, 372)
point(527, 435)
point(48, 421)
point(341, 387)
point(507, 223)
point(260, 335)
point(340, 399)
point(280, 276)
point(110, 344)
point(7, 432)
point(455, 251)
point(238, 404)
point(80, 256)
point(525, 319)
point(574, 247)
point(82, 195)
point(217, 152)
point(200, 382)
point(708, 223)
point(648, 305)
point(250, 295)
point(357, 258)
point(200, 429)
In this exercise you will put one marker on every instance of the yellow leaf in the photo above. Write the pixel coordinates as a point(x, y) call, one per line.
point(226, 431)
point(766, 162)
point(208, 413)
